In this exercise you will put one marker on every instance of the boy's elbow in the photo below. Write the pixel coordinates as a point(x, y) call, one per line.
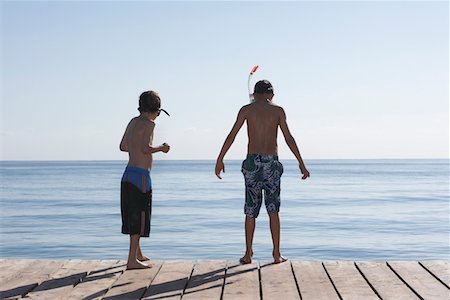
point(148, 150)
point(230, 138)
point(290, 140)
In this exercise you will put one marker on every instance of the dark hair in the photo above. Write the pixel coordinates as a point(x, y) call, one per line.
point(263, 87)
point(149, 101)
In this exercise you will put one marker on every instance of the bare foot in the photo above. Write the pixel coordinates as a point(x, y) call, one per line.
point(246, 259)
point(136, 264)
point(143, 258)
point(279, 259)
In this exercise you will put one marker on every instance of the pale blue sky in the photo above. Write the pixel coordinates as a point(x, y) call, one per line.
point(357, 79)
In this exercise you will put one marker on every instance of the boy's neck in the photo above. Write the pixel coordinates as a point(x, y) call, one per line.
point(263, 97)
point(147, 116)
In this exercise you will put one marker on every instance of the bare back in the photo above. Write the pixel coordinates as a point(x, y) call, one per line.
point(263, 119)
point(138, 136)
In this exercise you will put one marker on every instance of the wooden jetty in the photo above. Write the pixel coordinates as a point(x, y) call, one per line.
point(218, 279)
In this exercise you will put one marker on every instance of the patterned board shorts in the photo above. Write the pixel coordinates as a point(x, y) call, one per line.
point(261, 173)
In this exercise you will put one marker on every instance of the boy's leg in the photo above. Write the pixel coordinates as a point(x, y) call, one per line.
point(139, 254)
point(272, 190)
point(133, 262)
point(146, 212)
point(249, 232)
point(275, 231)
point(253, 200)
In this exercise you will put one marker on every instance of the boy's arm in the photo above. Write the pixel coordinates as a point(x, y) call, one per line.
point(229, 141)
point(124, 142)
point(146, 147)
point(290, 141)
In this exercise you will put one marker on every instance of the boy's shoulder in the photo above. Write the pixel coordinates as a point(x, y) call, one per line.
point(134, 119)
point(276, 106)
point(142, 123)
point(271, 105)
point(245, 107)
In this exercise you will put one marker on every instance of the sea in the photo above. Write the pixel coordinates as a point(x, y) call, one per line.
point(365, 210)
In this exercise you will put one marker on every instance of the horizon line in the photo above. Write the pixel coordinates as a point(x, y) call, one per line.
point(185, 159)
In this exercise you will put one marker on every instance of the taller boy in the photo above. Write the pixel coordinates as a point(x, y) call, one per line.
point(136, 186)
point(262, 170)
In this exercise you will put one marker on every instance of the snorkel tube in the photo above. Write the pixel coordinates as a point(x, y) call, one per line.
point(250, 94)
point(163, 110)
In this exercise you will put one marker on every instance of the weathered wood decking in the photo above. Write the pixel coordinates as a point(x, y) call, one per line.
point(95, 279)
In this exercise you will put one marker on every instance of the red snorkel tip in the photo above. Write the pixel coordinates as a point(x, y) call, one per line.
point(254, 69)
point(250, 94)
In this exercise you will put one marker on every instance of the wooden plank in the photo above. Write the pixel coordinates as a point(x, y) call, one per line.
point(46, 279)
point(241, 282)
point(206, 281)
point(98, 281)
point(29, 278)
point(133, 283)
point(62, 281)
point(440, 269)
point(13, 267)
point(313, 281)
point(170, 281)
point(348, 281)
point(420, 280)
point(385, 282)
point(277, 281)
point(6, 264)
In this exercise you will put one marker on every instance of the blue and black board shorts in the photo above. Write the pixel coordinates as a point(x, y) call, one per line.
point(261, 173)
point(136, 201)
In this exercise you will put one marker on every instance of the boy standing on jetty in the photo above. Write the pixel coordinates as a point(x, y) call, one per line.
point(136, 185)
point(262, 170)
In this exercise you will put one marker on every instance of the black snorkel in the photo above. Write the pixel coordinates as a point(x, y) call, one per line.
point(160, 110)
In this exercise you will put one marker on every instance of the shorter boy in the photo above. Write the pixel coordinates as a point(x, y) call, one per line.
point(136, 185)
point(262, 170)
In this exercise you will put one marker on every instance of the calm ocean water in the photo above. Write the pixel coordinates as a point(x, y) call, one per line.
point(348, 209)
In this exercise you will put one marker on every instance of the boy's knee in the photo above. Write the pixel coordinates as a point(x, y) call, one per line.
point(251, 216)
point(273, 208)
point(272, 214)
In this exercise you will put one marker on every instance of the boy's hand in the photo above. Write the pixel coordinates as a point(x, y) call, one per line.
point(304, 171)
point(219, 168)
point(165, 147)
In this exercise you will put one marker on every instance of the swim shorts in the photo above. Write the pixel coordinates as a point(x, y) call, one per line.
point(136, 201)
point(261, 173)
